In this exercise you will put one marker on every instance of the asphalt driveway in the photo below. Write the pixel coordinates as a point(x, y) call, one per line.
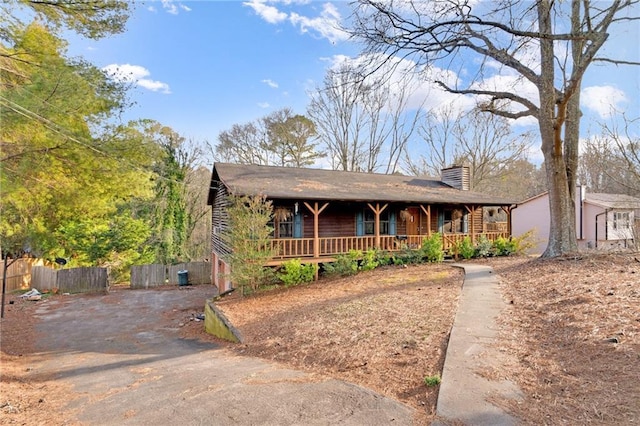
point(127, 364)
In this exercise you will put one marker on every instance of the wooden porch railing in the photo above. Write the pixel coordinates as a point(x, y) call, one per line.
point(496, 227)
point(289, 248)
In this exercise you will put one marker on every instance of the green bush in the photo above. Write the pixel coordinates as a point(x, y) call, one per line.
point(383, 258)
point(344, 265)
point(484, 247)
point(504, 247)
point(524, 242)
point(369, 260)
point(464, 248)
point(294, 272)
point(432, 248)
point(408, 256)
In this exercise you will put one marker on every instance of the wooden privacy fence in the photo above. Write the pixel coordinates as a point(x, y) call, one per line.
point(146, 276)
point(19, 273)
point(74, 280)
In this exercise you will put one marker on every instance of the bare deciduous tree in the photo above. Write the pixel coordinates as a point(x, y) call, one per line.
point(546, 46)
point(278, 139)
point(339, 120)
point(244, 144)
point(365, 123)
point(610, 162)
point(628, 145)
point(483, 141)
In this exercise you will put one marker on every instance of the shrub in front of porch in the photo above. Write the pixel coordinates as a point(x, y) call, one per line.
point(408, 256)
point(464, 248)
point(432, 248)
point(369, 260)
point(344, 265)
point(504, 247)
point(484, 247)
point(294, 272)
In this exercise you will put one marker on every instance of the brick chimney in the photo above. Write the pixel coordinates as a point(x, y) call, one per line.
point(457, 176)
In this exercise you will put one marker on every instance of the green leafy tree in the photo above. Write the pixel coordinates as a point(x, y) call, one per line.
point(249, 237)
point(171, 216)
point(93, 19)
point(54, 168)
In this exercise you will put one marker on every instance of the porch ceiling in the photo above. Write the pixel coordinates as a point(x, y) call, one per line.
point(319, 184)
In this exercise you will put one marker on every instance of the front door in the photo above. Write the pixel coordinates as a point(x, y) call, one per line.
point(413, 221)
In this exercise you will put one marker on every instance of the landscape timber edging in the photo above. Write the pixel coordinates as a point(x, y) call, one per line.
point(217, 324)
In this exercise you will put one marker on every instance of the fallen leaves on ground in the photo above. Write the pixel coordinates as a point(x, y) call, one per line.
point(385, 329)
point(572, 325)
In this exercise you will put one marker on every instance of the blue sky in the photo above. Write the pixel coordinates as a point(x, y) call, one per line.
point(212, 64)
point(202, 66)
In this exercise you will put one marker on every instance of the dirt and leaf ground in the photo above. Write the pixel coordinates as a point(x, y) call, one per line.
point(572, 326)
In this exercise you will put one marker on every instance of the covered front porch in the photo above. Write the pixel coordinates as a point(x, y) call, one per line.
point(307, 234)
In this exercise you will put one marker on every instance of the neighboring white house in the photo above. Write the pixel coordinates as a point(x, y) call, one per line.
point(602, 220)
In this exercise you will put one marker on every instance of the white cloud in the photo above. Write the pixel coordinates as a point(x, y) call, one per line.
point(327, 24)
point(269, 13)
point(136, 74)
point(152, 9)
point(154, 86)
point(169, 7)
point(174, 7)
point(270, 83)
point(126, 72)
point(418, 82)
point(603, 100)
point(264, 105)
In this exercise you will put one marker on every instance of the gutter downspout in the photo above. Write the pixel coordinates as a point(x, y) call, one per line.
point(605, 226)
point(511, 209)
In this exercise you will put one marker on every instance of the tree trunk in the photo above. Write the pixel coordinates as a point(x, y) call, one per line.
point(562, 232)
point(572, 127)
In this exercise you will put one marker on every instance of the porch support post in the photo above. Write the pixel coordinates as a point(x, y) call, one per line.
point(427, 212)
point(508, 210)
point(316, 234)
point(472, 211)
point(377, 210)
point(316, 238)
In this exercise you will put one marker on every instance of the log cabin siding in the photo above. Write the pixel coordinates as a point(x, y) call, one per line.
point(220, 221)
point(336, 223)
point(478, 219)
point(435, 212)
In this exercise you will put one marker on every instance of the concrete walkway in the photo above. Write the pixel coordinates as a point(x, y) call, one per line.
point(472, 356)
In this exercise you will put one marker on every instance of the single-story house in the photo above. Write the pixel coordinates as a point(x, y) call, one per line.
point(325, 213)
point(602, 220)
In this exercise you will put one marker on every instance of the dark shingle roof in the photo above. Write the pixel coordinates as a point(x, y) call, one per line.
point(321, 184)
